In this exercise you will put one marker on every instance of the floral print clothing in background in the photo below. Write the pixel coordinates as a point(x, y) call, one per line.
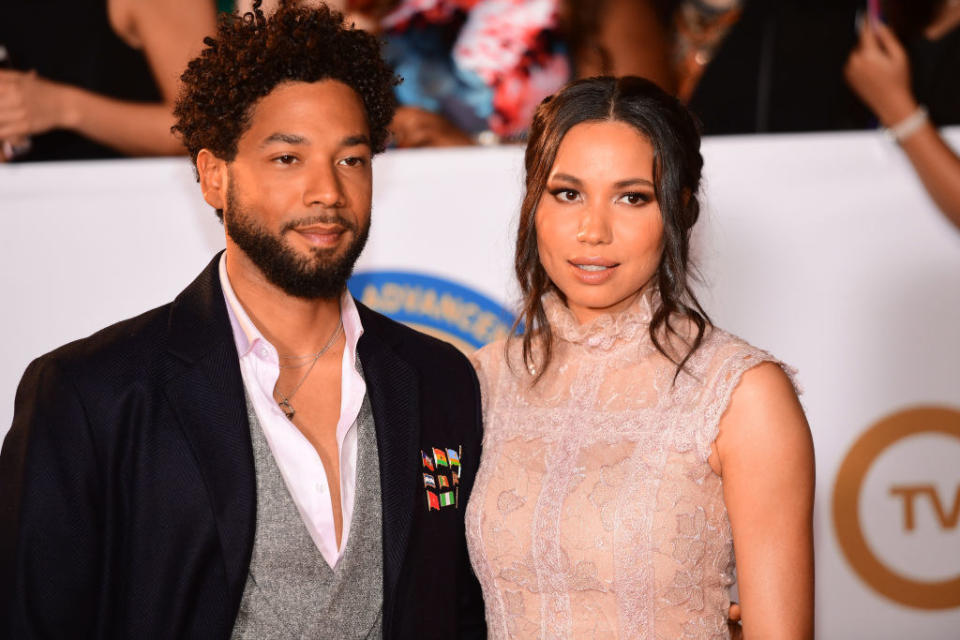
point(483, 64)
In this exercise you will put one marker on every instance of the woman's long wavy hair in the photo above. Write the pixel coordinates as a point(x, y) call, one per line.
point(674, 134)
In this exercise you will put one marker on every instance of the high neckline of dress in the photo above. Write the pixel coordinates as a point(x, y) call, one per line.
point(604, 331)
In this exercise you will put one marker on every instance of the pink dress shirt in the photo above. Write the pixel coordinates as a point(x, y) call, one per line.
point(299, 463)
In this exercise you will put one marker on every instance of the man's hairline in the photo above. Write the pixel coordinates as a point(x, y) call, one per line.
point(248, 112)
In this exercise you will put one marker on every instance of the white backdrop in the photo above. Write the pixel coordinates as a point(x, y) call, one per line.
point(822, 249)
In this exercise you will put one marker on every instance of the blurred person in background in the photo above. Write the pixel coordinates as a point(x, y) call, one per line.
point(620, 38)
point(475, 70)
point(95, 78)
point(765, 66)
point(913, 87)
point(743, 66)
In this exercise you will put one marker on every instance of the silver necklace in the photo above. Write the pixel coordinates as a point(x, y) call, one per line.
point(284, 400)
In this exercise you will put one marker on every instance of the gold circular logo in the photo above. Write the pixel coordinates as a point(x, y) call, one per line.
point(941, 594)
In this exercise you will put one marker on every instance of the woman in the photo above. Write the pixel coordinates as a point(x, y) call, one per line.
point(629, 445)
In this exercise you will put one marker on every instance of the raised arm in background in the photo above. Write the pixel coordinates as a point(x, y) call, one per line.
point(169, 32)
point(878, 70)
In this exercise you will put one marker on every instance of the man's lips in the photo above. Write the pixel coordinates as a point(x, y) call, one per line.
point(321, 235)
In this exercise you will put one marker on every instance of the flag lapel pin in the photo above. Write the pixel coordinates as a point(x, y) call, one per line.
point(427, 461)
point(453, 457)
point(433, 503)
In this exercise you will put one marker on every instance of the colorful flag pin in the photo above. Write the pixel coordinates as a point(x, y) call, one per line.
point(427, 462)
point(428, 481)
point(453, 457)
point(440, 458)
point(432, 502)
point(444, 483)
point(447, 499)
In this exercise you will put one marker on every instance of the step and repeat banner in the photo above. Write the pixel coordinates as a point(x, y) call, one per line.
point(823, 249)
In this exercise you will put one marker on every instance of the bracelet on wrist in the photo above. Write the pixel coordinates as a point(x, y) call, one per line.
point(908, 126)
point(486, 139)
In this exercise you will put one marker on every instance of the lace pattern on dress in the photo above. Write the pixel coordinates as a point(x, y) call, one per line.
point(595, 513)
point(605, 330)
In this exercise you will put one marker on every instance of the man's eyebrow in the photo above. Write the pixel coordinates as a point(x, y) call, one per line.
point(288, 138)
point(354, 140)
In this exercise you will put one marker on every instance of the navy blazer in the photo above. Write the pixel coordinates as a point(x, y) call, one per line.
point(127, 488)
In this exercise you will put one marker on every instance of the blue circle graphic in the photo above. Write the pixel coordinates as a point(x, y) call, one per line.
point(443, 305)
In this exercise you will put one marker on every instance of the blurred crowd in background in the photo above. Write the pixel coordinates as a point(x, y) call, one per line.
point(97, 78)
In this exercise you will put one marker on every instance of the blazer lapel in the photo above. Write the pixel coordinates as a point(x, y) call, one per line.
point(208, 399)
point(393, 389)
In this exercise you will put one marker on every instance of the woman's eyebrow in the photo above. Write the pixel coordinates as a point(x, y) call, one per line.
point(630, 182)
point(567, 178)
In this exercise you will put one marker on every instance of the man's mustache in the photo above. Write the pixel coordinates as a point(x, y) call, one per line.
point(330, 218)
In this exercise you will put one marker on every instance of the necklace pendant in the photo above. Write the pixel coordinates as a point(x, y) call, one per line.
point(287, 409)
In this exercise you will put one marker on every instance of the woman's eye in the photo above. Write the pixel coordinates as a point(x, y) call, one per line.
point(636, 198)
point(566, 195)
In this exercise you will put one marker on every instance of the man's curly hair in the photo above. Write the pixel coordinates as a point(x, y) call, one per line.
point(252, 54)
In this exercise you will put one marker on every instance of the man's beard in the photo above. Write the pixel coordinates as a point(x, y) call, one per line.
point(320, 275)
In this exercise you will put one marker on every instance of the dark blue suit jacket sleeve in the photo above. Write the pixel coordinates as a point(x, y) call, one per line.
point(51, 536)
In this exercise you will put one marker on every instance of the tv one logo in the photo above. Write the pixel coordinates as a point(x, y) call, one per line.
point(896, 507)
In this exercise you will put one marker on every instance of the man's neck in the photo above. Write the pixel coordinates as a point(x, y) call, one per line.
point(294, 326)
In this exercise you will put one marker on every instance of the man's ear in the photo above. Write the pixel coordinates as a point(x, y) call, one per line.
point(212, 172)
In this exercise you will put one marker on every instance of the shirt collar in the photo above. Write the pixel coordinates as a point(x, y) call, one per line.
point(246, 335)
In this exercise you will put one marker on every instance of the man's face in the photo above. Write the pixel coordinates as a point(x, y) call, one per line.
point(298, 192)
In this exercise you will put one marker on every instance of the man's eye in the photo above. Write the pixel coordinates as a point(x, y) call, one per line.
point(285, 159)
point(353, 161)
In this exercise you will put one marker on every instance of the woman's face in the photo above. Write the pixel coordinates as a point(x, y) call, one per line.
point(599, 228)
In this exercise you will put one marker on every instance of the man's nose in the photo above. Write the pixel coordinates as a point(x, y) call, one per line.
point(323, 188)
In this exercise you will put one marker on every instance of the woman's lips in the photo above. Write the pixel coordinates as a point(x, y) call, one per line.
point(592, 270)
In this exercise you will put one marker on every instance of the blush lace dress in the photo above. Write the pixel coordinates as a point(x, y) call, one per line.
point(595, 513)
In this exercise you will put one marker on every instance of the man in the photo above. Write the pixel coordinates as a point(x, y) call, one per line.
point(264, 456)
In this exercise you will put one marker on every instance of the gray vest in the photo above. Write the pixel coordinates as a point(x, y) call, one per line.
point(291, 592)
